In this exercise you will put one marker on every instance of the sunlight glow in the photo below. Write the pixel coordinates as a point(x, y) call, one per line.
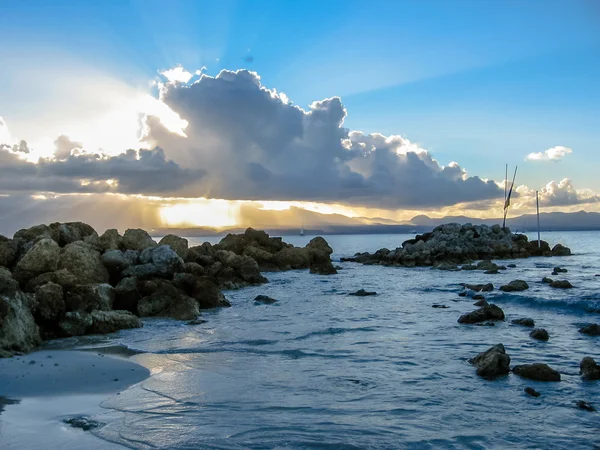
point(200, 212)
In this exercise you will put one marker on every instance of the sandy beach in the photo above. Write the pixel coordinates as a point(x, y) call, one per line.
point(40, 390)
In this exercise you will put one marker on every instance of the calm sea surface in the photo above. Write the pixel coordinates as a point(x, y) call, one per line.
point(323, 370)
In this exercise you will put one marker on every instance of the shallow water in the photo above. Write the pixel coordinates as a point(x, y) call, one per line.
point(320, 369)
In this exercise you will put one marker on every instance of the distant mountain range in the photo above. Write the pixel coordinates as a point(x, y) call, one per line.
point(555, 221)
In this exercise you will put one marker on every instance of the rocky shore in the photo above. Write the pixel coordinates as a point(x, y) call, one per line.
point(64, 279)
point(451, 244)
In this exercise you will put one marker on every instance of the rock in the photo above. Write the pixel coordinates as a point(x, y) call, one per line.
point(291, 258)
point(137, 239)
point(363, 293)
point(110, 240)
point(491, 272)
point(561, 284)
point(485, 324)
point(203, 289)
point(469, 267)
point(90, 297)
point(178, 244)
point(539, 334)
point(592, 329)
point(492, 362)
point(448, 266)
point(318, 257)
point(115, 261)
point(166, 260)
point(83, 262)
point(42, 257)
point(197, 322)
point(265, 299)
point(183, 308)
point(478, 297)
point(511, 266)
point(83, 422)
point(514, 286)
point(561, 250)
point(193, 268)
point(62, 277)
point(9, 249)
point(439, 306)
point(558, 270)
point(167, 301)
point(18, 330)
point(537, 371)
point(35, 234)
point(489, 287)
point(75, 323)
point(588, 369)
point(526, 322)
point(127, 295)
point(481, 302)
point(584, 405)
point(67, 233)
point(462, 294)
point(547, 280)
point(51, 303)
point(488, 265)
point(110, 321)
point(489, 312)
point(8, 285)
point(531, 391)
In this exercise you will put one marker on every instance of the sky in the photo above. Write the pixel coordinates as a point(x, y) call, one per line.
point(192, 113)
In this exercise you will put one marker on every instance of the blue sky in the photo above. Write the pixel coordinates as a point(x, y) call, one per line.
point(482, 83)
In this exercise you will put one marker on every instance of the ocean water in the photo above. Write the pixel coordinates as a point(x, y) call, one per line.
point(324, 370)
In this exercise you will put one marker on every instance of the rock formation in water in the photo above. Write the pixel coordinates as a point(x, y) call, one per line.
point(492, 362)
point(453, 243)
point(63, 279)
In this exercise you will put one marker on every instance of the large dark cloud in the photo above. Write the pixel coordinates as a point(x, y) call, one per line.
point(254, 144)
point(132, 172)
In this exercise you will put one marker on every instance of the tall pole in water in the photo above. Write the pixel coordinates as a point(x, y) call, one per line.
point(537, 205)
point(507, 201)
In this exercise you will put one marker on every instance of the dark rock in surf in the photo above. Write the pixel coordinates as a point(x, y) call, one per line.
point(537, 371)
point(488, 312)
point(585, 406)
point(526, 322)
point(547, 280)
point(515, 286)
point(489, 287)
point(363, 293)
point(439, 306)
point(531, 391)
point(478, 297)
point(83, 422)
point(540, 334)
point(492, 363)
point(588, 369)
point(591, 329)
point(561, 250)
point(480, 303)
point(264, 299)
point(561, 284)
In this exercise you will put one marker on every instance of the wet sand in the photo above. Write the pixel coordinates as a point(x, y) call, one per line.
point(40, 390)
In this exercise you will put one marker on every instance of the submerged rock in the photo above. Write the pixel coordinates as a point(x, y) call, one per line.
point(591, 329)
point(489, 287)
point(586, 406)
point(363, 293)
point(515, 286)
point(537, 371)
point(478, 297)
point(561, 284)
point(531, 391)
point(488, 312)
point(558, 270)
point(83, 422)
point(588, 369)
point(540, 334)
point(481, 302)
point(526, 322)
point(492, 363)
point(265, 299)
point(439, 306)
point(547, 280)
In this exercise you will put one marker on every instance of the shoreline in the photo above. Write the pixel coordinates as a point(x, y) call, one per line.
point(38, 391)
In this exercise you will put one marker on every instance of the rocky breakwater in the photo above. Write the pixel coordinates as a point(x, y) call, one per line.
point(460, 244)
point(64, 279)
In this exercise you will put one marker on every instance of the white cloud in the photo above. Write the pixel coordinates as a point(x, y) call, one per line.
point(552, 154)
point(177, 74)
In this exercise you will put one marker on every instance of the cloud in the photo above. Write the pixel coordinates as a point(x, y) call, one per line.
point(177, 74)
point(552, 154)
point(255, 145)
point(64, 145)
point(132, 172)
point(557, 194)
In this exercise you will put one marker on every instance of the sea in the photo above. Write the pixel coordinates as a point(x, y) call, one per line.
point(321, 369)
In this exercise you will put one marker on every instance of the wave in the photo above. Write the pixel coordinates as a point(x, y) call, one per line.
point(588, 304)
point(331, 331)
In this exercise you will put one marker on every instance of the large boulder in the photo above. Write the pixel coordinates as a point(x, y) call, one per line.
point(525, 321)
point(561, 284)
point(167, 301)
point(50, 302)
point(110, 240)
point(9, 249)
point(319, 252)
point(90, 297)
point(515, 286)
point(489, 287)
point(67, 233)
point(561, 250)
point(178, 244)
point(43, 257)
point(291, 258)
point(202, 289)
point(35, 234)
point(588, 369)
point(127, 295)
point(537, 371)
point(115, 261)
point(8, 285)
point(18, 330)
point(591, 329)
point(110, 321)
point(159, 261)
point(487, 312)
point(75, 323)
point(83, 262)
point(540, 334)
point(492, 362)
point(137, 239)
point(62, 277)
